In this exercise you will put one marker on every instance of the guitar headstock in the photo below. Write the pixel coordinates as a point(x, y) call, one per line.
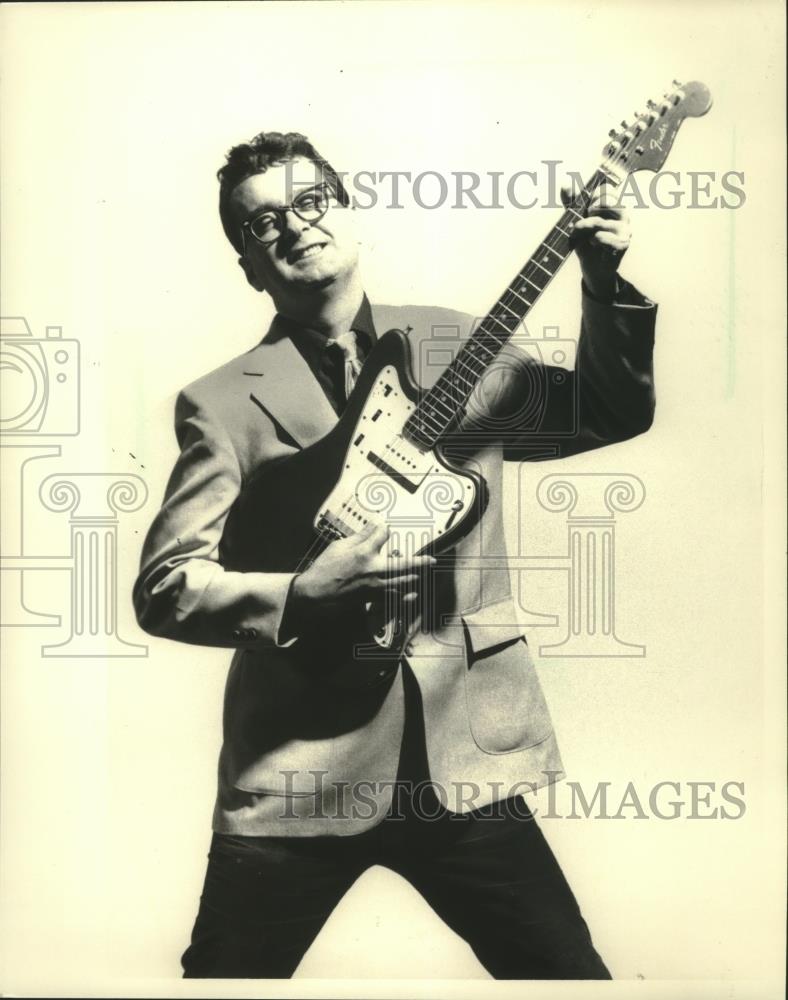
point(645, 144)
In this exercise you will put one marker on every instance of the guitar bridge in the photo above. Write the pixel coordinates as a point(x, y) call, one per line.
point(332, 527)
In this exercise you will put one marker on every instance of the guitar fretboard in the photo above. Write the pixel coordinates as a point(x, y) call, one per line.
point(444, 402)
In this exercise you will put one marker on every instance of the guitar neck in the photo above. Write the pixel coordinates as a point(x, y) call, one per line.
point(440, 407)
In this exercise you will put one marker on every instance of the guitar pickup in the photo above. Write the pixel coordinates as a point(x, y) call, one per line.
point(398, 477)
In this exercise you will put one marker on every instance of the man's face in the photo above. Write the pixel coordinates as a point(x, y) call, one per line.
point(307, 255)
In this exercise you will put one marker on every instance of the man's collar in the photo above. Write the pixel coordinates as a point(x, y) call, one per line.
point(363, 324)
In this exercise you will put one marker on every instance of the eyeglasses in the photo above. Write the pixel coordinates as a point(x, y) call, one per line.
point(310, 206)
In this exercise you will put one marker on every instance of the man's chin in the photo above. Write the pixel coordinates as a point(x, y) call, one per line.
point(320, 274)
point(313, 281)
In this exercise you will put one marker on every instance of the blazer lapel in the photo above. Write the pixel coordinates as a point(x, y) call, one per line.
point(282, 383)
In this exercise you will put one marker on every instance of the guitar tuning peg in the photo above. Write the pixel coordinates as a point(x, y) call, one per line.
point(650, 105)
point(624, 124)
point(676, 83)
point(612, 133)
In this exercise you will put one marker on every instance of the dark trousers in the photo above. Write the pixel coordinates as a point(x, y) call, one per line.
point(490, 876)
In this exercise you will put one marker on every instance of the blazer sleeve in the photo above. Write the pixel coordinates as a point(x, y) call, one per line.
point(183, 592)
point(540, 411)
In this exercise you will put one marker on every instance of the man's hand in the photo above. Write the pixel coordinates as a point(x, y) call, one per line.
point(353, 568)
point(601, 239)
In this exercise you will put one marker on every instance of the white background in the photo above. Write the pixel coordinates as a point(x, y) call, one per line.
point(115, 120)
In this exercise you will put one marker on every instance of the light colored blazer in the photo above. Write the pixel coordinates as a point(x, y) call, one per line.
point(300, 757)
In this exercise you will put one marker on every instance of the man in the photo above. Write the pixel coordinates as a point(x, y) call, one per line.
point(419, 769)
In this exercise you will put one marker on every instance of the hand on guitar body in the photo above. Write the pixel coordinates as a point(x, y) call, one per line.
point(353, 570)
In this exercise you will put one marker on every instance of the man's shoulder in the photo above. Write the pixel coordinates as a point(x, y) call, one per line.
point(215, 384)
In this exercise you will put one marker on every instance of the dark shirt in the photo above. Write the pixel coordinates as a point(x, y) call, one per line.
point(329, 369)
point(328, 366)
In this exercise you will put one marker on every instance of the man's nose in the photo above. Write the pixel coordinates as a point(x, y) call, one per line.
point(293, 224)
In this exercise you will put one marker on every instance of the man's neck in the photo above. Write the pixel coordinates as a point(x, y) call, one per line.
point(329, 310)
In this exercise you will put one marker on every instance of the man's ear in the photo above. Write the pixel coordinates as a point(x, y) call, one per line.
point(251, 277)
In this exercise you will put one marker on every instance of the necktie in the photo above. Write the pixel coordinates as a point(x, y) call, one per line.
point(346, 343)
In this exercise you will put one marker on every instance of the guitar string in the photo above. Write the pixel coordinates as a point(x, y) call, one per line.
point(466, 356)
point(598, 178)
point(440, 392)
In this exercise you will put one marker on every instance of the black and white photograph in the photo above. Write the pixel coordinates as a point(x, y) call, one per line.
point(393, 499)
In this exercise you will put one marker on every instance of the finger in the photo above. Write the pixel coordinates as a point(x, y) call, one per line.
point(390, 602)
point(597, 235)
point(607, 197)
point(611, 241)
point(593, 222)
point(398, 580)
point(366, 532)
point(608, 212)
point(377, 537)
point(391, 596)
point(570, 192)
point(413, 564)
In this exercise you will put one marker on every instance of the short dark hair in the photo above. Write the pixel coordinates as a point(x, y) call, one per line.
point(255, 157)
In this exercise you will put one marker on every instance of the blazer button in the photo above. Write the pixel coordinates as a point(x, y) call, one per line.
point(237, 633)
point(252, 633)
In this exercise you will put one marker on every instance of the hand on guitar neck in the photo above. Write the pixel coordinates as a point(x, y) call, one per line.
point(600, 240)
point(350, 570)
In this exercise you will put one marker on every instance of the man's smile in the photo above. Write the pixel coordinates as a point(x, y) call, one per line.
point(305, 253)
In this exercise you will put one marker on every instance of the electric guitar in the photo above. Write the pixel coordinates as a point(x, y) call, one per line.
point(384, 461)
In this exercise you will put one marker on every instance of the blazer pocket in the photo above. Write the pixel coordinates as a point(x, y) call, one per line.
point(507, 710)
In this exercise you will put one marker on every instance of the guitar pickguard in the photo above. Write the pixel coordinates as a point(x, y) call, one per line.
point(387, 479)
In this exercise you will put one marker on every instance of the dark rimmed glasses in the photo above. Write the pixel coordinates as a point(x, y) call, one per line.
point(268, 226)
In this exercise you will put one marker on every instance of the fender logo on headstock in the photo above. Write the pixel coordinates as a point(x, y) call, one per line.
point(645, 144)
point(657, 143)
